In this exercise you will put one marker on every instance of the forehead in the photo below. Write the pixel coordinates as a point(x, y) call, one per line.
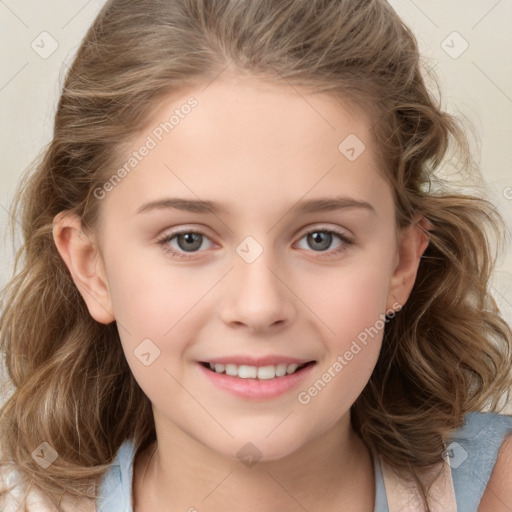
point(244, 142)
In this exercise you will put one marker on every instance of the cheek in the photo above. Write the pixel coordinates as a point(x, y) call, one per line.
point(349, 300)
point(150, 300)
point(153, 308)
point(357, 323)
point(154, 314)
point(352, 306)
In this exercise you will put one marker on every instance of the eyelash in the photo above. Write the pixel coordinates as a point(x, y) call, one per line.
point(164, 241)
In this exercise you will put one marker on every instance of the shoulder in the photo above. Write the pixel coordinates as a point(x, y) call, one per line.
point(11, 490)
point(480, 456)
point(114, 492)
point(15, 493)
point(498, 494)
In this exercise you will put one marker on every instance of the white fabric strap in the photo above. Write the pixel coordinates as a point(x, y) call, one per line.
point(403, 495)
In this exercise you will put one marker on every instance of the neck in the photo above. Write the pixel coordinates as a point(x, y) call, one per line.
point(180, 474)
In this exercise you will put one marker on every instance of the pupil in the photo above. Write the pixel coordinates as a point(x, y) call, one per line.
point(317, 238)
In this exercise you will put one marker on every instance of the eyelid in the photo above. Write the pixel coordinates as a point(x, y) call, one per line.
point(324, 227)
point(184, 228)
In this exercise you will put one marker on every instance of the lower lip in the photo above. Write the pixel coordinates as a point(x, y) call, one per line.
point(255, 388)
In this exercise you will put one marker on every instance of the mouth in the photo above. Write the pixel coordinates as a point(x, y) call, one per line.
point(266, 372)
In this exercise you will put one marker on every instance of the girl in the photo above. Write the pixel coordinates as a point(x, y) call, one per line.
point(244, 285)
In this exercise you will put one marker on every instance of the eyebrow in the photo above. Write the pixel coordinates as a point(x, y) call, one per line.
point(200, 206)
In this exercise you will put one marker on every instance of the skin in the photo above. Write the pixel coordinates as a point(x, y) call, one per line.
point(256, 148)
point(498, 494)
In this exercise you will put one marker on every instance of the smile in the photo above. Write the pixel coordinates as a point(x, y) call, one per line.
point(256, 372)
point(256, 382)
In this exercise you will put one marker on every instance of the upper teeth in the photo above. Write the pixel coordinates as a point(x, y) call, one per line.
point(254, 372)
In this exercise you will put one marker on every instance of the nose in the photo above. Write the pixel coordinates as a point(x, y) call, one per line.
point(258, 298)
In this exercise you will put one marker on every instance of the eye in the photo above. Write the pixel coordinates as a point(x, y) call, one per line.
point(321, 239)
point(186, 242)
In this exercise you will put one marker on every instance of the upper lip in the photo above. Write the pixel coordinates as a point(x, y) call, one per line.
point(258, 361)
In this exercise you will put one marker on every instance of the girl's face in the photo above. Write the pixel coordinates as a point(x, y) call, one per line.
point(297, 261)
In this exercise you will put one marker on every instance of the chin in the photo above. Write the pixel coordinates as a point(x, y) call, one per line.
point(251, 450)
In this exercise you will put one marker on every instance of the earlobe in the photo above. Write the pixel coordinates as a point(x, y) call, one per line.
point(84, 262)
point(413, 242)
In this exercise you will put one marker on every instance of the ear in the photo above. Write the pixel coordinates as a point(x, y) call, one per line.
point(83, 259)
point(413, 240)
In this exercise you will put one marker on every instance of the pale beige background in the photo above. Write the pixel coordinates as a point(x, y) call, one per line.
point(477, 82)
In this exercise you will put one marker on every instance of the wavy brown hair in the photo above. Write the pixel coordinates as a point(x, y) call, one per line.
point(446, 353)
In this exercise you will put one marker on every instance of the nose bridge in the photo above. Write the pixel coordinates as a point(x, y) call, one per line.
point(257, 296)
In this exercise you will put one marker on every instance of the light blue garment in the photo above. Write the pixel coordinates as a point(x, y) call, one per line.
point(473, 450)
